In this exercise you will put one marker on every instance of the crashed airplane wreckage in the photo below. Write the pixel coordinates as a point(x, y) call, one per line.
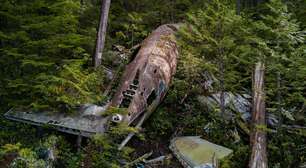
point(144, 84)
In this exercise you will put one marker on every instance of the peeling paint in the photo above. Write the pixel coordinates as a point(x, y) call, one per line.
point(155, 64)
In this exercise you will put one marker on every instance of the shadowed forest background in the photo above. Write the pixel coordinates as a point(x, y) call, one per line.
point(46, 49)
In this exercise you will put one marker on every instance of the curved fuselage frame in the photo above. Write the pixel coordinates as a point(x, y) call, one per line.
point(147, 78)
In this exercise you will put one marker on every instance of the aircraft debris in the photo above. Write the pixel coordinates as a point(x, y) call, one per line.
point(194, 152)
point(86, 122)
point(234, 103)
point(146, 79)
point(142, 87)
point(302, 165)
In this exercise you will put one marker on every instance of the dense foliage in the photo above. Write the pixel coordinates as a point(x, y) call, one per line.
point(217, 36)
point(46, 48)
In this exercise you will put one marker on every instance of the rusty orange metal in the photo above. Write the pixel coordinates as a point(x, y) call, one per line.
point(147, 77)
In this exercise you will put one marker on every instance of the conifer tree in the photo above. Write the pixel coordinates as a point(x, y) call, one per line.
point(213, 41)
point(101, 33)
point(283, 38)
point(40, 43)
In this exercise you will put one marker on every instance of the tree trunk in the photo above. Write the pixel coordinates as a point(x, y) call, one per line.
point(222, 87)
point(238, 6)
point(220, 53)
point(258, 137)
point(101, 32)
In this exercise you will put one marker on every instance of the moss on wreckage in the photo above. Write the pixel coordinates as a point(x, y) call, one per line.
point(286, 148)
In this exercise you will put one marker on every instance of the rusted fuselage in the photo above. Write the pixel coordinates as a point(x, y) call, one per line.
point(144, 83)
point(147, 77)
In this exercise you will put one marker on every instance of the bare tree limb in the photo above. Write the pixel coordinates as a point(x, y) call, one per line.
point(101, 32)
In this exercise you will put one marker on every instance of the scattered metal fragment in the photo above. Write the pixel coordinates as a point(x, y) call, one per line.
point(194, 152)
point(235, 104)
point(86, 122)
point(302, 165)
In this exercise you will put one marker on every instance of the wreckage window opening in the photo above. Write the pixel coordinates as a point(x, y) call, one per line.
point(130, 92)
point(151, 97)
point(155, 70)
point(133, 87)
point(125, 102)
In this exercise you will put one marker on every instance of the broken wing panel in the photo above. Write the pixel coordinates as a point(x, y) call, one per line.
point(194, 152)
point(86, 123)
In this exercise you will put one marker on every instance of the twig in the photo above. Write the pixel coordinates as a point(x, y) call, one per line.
point(140, 159)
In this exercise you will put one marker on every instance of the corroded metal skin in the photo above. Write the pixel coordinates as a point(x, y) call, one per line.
point(147, 78)
point(143, 85)
point(195, 152)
